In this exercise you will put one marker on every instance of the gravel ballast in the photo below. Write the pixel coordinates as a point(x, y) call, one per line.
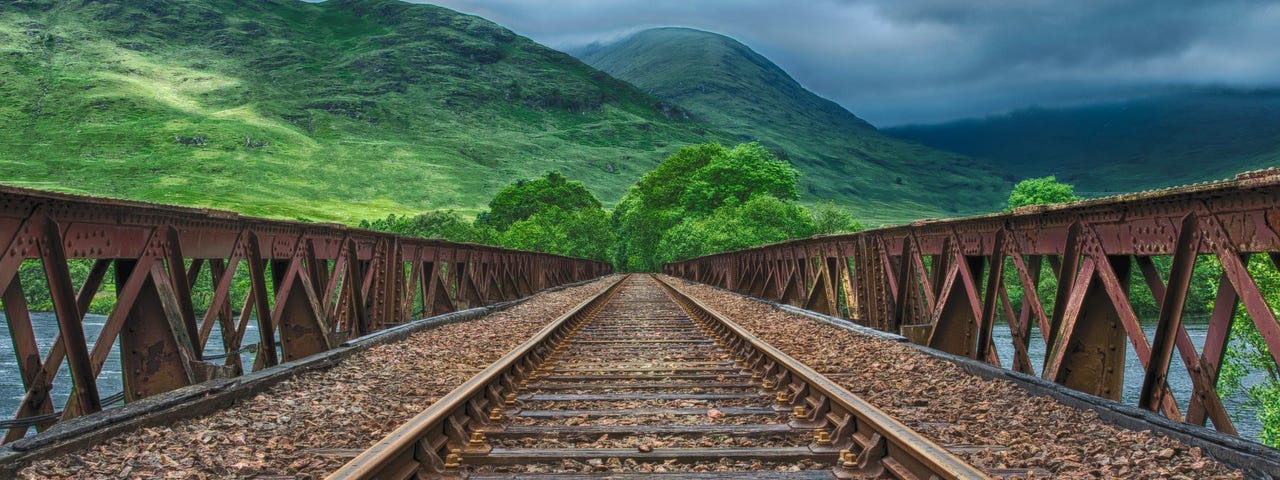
point(308, 426)
point(952, 407)
point(642, 327)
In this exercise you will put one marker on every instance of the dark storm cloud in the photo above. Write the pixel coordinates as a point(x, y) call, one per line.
point(899, 61)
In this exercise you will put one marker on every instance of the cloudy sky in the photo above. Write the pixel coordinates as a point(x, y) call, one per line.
point(903, 61)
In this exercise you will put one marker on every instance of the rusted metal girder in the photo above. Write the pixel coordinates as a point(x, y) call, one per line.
point(308, 287)
point(946, 283)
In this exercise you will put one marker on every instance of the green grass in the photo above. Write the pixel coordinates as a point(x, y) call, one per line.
point(842, 158)
point(1157, 141)
point(367, 107)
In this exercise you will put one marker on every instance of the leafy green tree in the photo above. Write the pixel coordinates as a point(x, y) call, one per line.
point(526, 198)
point(762, 219)
point(830, 219)
point(550, 214)
point(744, 172)
point(443, 224)
point(652, 206)
point(1038, 191)
point(586, 233)
point(666, 184)
point(689, 186)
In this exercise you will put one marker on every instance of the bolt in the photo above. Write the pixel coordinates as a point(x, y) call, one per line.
point(822, 436)
point(477, 439)
point(756, 375)
point(495, 414)
point(783, 398)
point(767, 384)
point(800, 412)
point(849, 460)
point(510, 399)
point(453, 460)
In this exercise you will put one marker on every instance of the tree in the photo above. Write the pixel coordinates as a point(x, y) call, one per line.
point(443, 224)
point(689, 185)
point(829, 219)
point(586, 233)
point(526, 198)
point(1039, 191)
point(549, 214)
point(744, 172)
point(763, 219)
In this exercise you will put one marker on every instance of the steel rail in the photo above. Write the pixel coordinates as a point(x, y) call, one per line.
point(425, 444)
point(871, 439)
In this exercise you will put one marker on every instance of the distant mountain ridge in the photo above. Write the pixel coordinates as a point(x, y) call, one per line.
point(339, 110)
point(1113, 147)
point(841, 157)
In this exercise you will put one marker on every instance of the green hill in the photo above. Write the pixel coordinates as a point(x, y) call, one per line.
point(340, 110)
point(1143, 143)
point(841, 156)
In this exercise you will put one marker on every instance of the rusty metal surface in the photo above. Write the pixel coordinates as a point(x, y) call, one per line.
point(642, 352)
point(945, 283)
point(309, 287)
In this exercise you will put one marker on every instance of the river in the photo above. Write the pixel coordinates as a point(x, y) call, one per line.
point(109, 380)
point(1242, 414)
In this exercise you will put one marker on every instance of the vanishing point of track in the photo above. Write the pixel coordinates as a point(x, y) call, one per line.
point(641, 380)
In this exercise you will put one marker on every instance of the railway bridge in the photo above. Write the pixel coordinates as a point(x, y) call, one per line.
point(987, 347)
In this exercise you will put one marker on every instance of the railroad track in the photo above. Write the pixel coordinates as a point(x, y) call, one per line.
point(641, 380)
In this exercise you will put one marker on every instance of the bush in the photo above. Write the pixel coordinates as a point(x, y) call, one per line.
point(1039, 191)
point(829, 219)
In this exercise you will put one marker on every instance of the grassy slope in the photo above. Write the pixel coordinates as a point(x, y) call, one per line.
point(368, 107)
point(1145, 143)
point(884, 180)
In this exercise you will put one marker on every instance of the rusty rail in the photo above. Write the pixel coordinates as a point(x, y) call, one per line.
point(863, 441)
point(426, 443)
point(871, 442)
point(946, 283)
point(309, 287)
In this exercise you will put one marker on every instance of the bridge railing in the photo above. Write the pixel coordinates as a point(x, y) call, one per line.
point(306, 287)
point(950, 284)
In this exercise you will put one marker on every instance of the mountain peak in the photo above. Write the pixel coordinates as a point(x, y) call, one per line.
point(728, 84)
point(648, 57)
